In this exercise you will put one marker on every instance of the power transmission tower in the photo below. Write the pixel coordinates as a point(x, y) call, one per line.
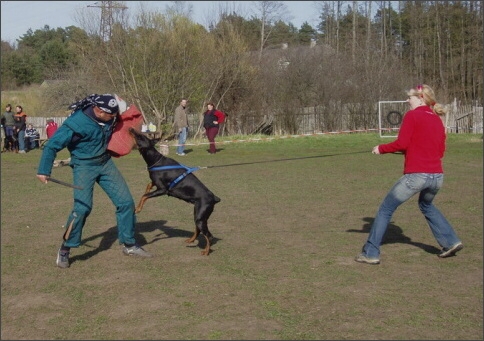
point(107, 17)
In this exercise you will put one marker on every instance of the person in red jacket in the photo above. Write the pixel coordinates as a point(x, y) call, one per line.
point(422, 140)
point(50, 128)
point(212, 119)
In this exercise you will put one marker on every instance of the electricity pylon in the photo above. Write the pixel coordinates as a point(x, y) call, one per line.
point(107, 17)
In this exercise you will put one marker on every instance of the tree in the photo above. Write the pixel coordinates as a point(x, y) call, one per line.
point(268, 12)
point(306, 33)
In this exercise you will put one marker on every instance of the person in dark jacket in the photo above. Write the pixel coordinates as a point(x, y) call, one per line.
point(86, 134)
point(20, 126)
point(212, 118)
point(8, 123)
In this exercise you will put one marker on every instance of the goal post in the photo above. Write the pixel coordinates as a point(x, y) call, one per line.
point(390, 115)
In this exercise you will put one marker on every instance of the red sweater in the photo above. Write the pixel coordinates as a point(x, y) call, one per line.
point(422, 139)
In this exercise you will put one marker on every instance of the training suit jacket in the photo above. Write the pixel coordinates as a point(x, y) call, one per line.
point(85, 138)
point(422, 139)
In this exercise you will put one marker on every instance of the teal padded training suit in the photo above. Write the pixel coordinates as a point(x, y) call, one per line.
point(87, 141)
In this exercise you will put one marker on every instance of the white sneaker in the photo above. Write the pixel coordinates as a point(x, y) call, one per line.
point(451, 251)
point(136, 250)
point(181, 154)
point(21, 151)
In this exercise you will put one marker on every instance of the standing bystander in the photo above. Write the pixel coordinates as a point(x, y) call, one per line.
point(20, 126)
point(8, 122)
point(50, 128)
point(181, 126)
point(212, 119)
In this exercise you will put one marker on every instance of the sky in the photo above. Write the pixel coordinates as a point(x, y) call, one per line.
point(19, 16)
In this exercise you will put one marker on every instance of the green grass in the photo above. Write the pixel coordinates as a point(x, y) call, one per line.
point(294, 213)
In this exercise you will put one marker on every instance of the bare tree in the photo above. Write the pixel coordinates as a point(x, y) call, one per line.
point(269, 12)
point(180, 8)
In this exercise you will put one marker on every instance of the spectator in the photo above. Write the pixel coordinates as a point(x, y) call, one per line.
point(421, 140)
point(31, 137)
point(20, 125)
point(86, 134)
point(8, 122)
point(50, 128)
point(212, 119)
point(181, 126)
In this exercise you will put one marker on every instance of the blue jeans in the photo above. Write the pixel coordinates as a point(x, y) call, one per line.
point(182, 138)
point(427, 184)
point(21, 140)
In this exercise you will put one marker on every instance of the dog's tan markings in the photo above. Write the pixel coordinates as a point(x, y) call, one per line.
point(143, 198)
point(192, 239)
point(206, 251)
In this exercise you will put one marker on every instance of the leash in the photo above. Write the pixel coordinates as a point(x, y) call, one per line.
point(193, 169)
point(179, 178)
point(281, 160)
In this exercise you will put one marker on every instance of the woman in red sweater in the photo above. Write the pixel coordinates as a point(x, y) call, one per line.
point(212, 119)
point(422, 140)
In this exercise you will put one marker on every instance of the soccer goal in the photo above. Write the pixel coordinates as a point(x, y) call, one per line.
point(390, 115)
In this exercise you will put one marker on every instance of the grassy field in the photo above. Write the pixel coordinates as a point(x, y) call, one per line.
point(294, 214)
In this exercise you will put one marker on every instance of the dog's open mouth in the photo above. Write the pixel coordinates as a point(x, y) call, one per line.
point(132, 132)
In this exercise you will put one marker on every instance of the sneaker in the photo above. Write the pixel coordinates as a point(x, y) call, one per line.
point(181, 154)
point(452, 251)
point(21, 151)
point(362, 258)
point(135, 250)
point(62, 259)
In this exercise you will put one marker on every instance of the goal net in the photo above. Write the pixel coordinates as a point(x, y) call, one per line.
point(390, 115)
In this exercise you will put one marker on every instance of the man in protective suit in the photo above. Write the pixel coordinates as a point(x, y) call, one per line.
point(86, 134)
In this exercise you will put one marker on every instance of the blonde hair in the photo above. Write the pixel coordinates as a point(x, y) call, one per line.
point(426, 93)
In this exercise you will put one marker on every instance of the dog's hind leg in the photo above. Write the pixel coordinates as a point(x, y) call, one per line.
point(202, 212)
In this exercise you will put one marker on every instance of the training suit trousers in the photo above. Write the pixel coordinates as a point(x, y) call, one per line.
point(86, 173)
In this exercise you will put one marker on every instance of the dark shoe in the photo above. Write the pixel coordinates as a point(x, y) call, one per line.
point(135, 251)
point(62, 259)
point(452, 251)
point(362, 258)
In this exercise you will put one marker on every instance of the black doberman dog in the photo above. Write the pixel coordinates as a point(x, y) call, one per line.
point(176, 180)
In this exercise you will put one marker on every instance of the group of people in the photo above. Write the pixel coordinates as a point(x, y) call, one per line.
point(15, 128)
point(87, 131)
point(20, 137)
point(212, 119)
